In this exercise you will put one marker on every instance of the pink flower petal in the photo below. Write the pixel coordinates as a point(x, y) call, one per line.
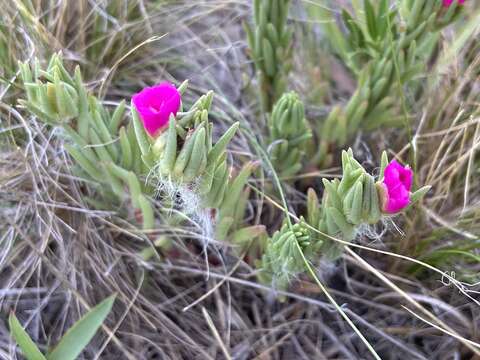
point(155, 104)
point(447, 3)
point(397, 181)
point(396, 205)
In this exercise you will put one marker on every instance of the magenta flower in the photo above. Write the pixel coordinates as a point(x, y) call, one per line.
point(155, 104)
point(447, 3)
point(397, 183)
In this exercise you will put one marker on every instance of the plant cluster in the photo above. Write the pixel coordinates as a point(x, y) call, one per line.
point(159, 160)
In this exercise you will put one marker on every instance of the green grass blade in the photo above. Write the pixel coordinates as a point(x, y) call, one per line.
point(29, 349)
point(80, 334)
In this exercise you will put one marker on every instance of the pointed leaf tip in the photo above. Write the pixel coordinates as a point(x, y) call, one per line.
point(26, 344)
point(82, 332)
point(419, 194)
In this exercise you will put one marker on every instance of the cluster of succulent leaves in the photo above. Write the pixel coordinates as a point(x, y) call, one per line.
point(385, 48)
point(90, 130)
point(375, 29)
point(289, 134)
point(72, 342)
point(347, 204)
point(282, 258)
point(183, 155)
point(270, 42)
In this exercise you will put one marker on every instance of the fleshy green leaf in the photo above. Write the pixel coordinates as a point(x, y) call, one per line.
point(371, 19)
point(29, 349)
point(80, 334)
point(419, 194)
